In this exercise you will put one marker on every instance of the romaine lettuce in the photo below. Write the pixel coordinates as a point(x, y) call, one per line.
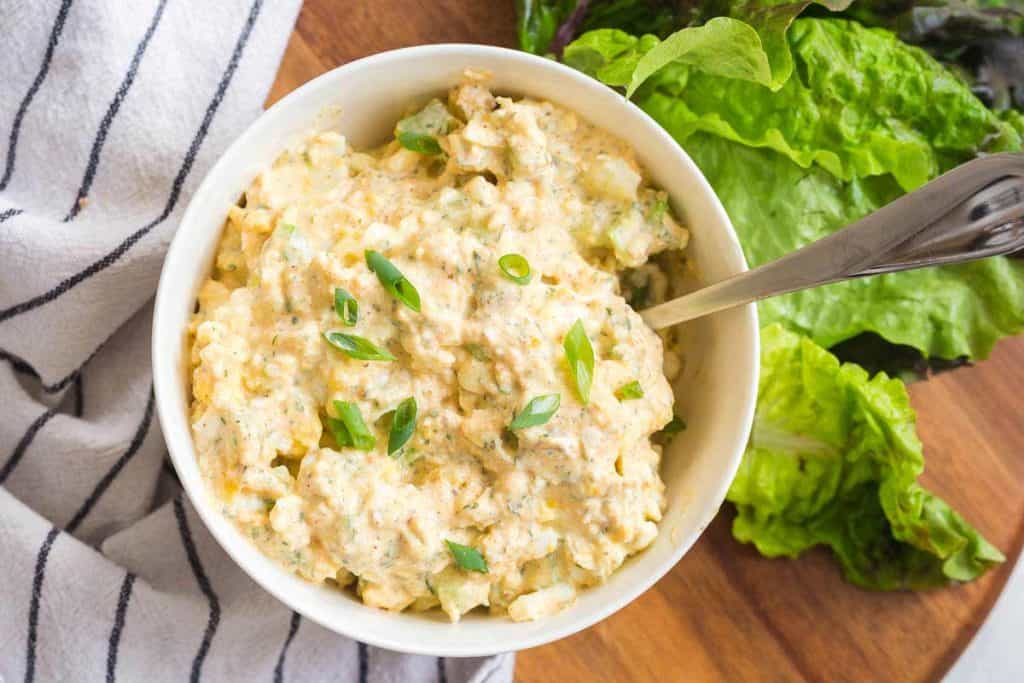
point(777, 207)
point(833, 460)
point(862, 102)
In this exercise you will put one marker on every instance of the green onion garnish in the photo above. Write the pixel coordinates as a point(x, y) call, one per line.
point(402, 425)
point(346, 306)
point(467, 558)
point(580, 356)
point(657, 210)
point(674, 426)
point(419, 142)
point(629, 391)
point(349, 428)
point(516, 268)
point(538, 411)
point(357, 347)
point(420, 131)
point(393, 280)
point(477, 351)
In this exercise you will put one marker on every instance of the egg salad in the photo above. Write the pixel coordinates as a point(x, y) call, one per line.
point(415, 371)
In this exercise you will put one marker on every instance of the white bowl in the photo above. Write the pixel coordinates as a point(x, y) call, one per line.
point(716, 396)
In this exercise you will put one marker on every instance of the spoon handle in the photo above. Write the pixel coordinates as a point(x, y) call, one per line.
point(974, 211)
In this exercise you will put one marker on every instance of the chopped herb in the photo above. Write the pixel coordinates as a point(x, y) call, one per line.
point(580, 356)
point(419, 142)
point(477, 351)
point(346, 306)
point(402, 425)
point(657, 210)
point(357, 347)
point(538, 411)
point(674, 426)
point(420, 131)
point(629, 391)
point(516, 268)
point(394, 282)
point(349, 428)
point(467, 558)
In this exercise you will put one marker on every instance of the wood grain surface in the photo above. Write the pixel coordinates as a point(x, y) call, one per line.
point(724, 613)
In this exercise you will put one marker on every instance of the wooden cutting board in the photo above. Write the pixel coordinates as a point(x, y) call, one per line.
point(724, 613)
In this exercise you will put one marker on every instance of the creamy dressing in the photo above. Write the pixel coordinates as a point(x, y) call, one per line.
point(552, 508)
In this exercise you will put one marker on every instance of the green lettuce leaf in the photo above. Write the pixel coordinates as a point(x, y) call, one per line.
point(658, 17)
point(833, 460)
point(608, 54)
point(757, 41)
point(722, 47)
point(777, 207)
point(538, 21)
point(545, 26)
point(981, 39)
point(863, 103)
point(1015, 119)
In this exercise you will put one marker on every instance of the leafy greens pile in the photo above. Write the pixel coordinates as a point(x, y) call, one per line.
point(802, 126)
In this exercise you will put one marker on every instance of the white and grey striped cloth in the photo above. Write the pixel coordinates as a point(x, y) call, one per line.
point(110, 113)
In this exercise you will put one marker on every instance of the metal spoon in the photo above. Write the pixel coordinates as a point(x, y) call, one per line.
point(974, 211)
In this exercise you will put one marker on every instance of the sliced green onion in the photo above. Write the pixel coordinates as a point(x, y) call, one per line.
point(393, 280)
point(349, 428)
point(538, 411)
point(657, 210)
point(402, 425)
point(467, 558)
point(516, 268)
point(580, 356)
point(346, 306)
point(419, 142)
point(419, 131)
point(357, 347)
point(477, 351)
point(674, 426)
point(629, 391)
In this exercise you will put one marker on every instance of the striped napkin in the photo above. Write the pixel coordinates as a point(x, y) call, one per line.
point(110, 113)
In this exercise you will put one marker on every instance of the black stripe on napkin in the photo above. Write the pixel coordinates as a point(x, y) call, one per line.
point(176, 186)
point(8, 213)
point(33, 609)
point(23, 366)
point(25, 442)
point(111, 475)
point(79, 396)
point(204, 585)
point(114, 643)
point(44, 68)
point(442, 674)
point(167, 467)
point(293, 628)
point(364, 662)
point(19, 364)
point(108, 118)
